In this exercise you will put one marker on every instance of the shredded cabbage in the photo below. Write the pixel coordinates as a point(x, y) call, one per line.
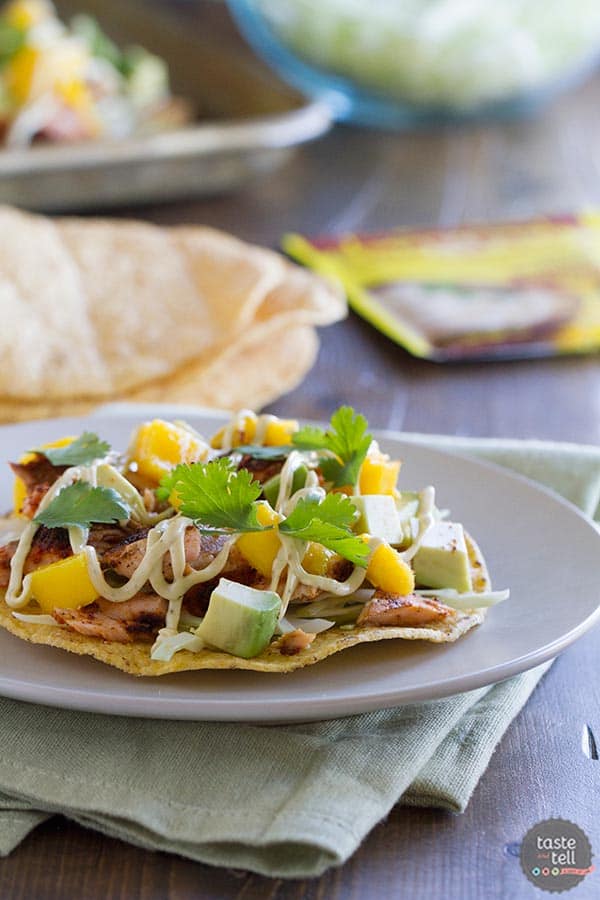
point(310, 626)
point(166, 646)
point(36, 619)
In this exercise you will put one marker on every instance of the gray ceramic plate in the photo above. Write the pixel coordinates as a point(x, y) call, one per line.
point(535, 543)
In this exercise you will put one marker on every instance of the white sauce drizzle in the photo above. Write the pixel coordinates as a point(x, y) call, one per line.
point(16, 598)
point(286, 478)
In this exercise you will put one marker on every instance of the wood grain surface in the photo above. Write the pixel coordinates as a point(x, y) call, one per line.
point(355, 179)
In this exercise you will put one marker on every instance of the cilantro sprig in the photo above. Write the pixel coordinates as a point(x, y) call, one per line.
point(347, 438)
point(213, 494)
point(220, 499)
point(327, 523)
point(81, 504)
point(83, 450)
point(11, 41)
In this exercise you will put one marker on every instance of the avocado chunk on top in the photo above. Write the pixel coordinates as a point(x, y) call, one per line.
point(442, 560)
point(240, 620)
point(378, 516)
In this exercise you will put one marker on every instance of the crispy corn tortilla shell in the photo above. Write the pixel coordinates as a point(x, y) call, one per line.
point(135, 658)
point(102, 309)
point(238, 377)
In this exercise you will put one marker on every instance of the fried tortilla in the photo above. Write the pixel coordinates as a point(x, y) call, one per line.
point(134, 658)
point(99, 310)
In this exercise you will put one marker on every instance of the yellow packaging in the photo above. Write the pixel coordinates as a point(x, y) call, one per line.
point(476, 292)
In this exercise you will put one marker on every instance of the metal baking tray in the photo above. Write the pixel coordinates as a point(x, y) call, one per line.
point(248, 123)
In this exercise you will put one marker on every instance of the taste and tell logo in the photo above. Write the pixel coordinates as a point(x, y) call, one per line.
point(556, 855)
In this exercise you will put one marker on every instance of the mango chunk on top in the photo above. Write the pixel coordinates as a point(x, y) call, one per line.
point(260, 548)
point(388, 571)
point(159, 446)
point(378, 476)
point(65, 584)
point(277, 433)
point(316, 559)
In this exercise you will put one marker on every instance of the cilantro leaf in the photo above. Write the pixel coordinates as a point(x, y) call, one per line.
point(257, 451)
point(216, 496)
point(166, 485)
point(85, 449)
point(221, 499)
point(327, 523)
point(336, 509)
point(81, 504)
point(347, 438)
point(11, 41)
point(311, 438)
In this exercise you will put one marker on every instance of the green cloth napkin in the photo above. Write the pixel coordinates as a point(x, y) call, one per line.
point(287, 800)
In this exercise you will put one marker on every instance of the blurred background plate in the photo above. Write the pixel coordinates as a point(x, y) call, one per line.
point(247, 124)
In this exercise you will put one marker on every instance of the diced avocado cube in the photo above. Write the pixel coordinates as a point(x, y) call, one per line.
point(378, 517)
point(407, 505)
point(442, 560)
point(271, 487)
point(240, 620)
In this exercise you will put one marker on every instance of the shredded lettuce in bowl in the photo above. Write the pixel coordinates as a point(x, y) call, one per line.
point(455, 54)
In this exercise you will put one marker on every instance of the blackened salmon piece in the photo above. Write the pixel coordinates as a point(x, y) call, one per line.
point(136, 619)
point(6, 554)
point(33, 498)
point(410, 611)
point(197, 598)
point(38, 476)
point(200, 550)
point(104, 537)
point(49, 545)
point(38, 471)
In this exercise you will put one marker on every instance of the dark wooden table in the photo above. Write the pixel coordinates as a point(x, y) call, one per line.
point(364, 180)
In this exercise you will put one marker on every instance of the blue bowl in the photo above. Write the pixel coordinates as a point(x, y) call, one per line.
point(351, 102)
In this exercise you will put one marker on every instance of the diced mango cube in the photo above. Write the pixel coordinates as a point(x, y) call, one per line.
point(19, 73)
point(64, 585)
point(279, 432)
point(388, 571)
point(242, 435)
point(316, 559)
point(19, 489)
point(260, 548)
point(158, 446)
point(378, 476)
